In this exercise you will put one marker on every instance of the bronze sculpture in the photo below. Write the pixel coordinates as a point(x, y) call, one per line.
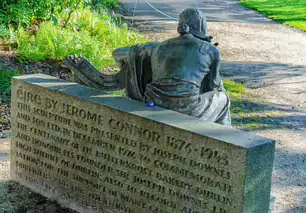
point(180, 74)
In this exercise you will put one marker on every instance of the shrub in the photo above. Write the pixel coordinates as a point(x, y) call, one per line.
point(6, 76)
point(27, 12)
point(88, 33)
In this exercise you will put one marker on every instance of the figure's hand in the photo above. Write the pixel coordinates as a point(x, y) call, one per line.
point(209, 39)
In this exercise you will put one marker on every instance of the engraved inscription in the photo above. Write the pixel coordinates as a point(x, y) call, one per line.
point(108, 163)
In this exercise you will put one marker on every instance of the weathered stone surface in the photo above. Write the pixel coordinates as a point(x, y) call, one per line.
point(94, 152)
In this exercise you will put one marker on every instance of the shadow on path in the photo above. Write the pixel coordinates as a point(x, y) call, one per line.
point(255, 75)
point(289, 176)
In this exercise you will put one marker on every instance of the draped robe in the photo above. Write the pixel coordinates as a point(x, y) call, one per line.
point(207, 100)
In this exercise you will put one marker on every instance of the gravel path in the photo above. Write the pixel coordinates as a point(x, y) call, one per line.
point(253, 47)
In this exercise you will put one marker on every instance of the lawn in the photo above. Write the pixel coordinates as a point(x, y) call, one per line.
point(288, 12)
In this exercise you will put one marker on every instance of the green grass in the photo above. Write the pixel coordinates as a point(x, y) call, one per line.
point(233, 87)
point(248, 110)
point(88, 33)
point(255, 126)
point(118, 93)
point(289, 12)
point(246, 113)
point(238, 95)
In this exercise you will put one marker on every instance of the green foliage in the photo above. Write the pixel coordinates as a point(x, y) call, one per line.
point(25, 13)
point(4, 31)
point(88, 33)
point(118, 93)
point(111, 4)
point(289, 12)
point(6, 76)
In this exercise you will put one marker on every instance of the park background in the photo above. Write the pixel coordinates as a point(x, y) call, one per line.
point(36, 36)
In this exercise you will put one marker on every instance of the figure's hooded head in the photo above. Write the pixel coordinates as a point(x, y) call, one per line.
point(192, 21)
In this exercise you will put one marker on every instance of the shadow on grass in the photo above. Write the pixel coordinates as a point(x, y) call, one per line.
point(278, 122)
point(245, 105)
point(248, 115)
point(16, 198)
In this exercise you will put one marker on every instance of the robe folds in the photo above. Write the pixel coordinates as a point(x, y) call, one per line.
point(173, 94)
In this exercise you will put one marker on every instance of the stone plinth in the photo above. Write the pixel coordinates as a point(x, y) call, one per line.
point(94, 152)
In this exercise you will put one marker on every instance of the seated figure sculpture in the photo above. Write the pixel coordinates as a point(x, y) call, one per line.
point(180, 74)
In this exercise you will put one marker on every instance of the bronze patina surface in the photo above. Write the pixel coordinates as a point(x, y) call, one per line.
point(180, 74)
